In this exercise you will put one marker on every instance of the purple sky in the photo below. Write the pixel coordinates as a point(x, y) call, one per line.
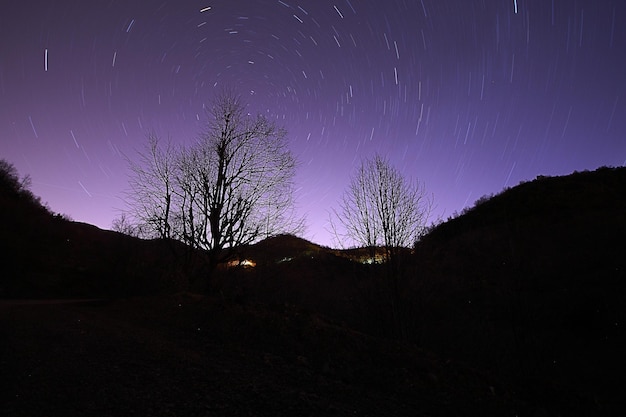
point(467, 96)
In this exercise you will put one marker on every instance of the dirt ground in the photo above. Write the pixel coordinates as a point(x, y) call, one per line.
point(186, 355)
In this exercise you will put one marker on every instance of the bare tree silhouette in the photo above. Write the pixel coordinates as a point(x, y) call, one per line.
point(234, 186)
point(151, 189)
point(381, 208)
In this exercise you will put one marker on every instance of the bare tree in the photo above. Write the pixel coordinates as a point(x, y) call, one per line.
point(382, 209)
point(151, 188)
point(123, 224)
point(233, 187)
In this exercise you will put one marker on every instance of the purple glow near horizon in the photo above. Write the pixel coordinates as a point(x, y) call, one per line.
point(467, 96)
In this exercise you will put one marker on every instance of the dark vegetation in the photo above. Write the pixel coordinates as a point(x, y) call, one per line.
point(515, 307)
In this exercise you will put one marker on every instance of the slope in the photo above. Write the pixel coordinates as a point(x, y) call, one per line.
point(47, 255)
point(531, 284)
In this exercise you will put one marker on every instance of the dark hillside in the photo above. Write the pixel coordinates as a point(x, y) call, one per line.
point(594, 198)
point(531, 284)
point(46, 255)
point(282, 248)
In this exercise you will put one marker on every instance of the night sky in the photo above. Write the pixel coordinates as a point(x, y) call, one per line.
point(469, 96)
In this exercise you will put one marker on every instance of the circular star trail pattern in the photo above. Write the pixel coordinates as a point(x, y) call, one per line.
point(469, 97)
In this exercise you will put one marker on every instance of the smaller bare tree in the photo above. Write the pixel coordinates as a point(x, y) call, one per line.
point(382, 209)
point(123, 224)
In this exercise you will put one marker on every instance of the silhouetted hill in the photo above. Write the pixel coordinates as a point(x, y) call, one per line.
point(284, 246)
point(597, 197)
point(531, 284)
point(46, 255)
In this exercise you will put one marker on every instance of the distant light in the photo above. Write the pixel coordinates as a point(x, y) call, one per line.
point(246, 263)
point(205, 9)
point(376, 259)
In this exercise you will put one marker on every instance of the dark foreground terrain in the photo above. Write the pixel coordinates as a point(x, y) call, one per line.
point(184, 355)
point(516, 307)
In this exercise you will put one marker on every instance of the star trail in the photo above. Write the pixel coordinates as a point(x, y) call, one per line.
point(469, 97)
